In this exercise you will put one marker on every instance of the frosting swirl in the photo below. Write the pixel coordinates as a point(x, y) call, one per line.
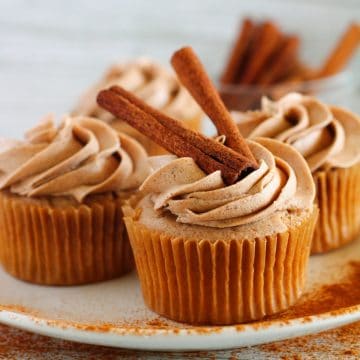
point(149, 81)
point(282, 182)
point(80, 157)
point(327, 136)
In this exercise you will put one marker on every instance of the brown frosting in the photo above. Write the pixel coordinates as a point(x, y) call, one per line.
point(150, 82)
point(282, 183)
point(327, 136)
point(80, 157)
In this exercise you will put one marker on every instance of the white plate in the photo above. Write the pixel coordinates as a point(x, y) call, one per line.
point(113, 313)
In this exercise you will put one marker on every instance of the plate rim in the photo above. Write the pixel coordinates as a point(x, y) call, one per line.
point(187, 339)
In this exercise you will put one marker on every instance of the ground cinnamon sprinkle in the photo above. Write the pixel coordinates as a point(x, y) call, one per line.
point(159, 324)
point(342, 342)
point(328, 298)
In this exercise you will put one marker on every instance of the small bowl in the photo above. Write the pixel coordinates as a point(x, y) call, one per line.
point(337, 90)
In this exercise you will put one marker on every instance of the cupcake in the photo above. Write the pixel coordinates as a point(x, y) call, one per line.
point(154, 84)
point(207, 253)
point(219, 236)
point(328, 137)
point(61, 192)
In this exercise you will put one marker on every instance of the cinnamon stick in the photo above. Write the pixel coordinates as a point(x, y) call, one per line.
point(193, 76)
point(227, 156)
point(281, 61)
point(264, 44)
point(237, 55)
point(145, 119)
point(342, 52)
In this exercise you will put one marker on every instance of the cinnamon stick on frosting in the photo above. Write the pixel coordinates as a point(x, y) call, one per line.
point(210, 155)
point(193, 76)
point(216, 150)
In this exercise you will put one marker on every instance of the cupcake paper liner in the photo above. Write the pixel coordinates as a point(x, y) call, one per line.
point(70, 245)
point(199, 281)
point(151, 147)
point(338, 198)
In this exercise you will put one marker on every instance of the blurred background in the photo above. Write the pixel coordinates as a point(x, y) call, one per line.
point(51, 51)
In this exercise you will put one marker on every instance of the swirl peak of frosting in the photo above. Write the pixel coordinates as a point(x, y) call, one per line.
point(327, 136)
point(283, 182)
point(149, 81)
point(82, 156)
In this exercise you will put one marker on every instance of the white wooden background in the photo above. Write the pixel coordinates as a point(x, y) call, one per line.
point(50, 51)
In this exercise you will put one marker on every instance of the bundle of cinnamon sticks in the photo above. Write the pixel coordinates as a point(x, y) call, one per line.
point(263, 55)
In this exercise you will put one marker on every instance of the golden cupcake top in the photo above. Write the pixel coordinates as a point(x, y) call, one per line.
point(81, 156)
point(148, 80)
point(281, 183)
point(327, 136)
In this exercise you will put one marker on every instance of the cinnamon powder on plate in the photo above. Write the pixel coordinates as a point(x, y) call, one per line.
point(333, 298)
